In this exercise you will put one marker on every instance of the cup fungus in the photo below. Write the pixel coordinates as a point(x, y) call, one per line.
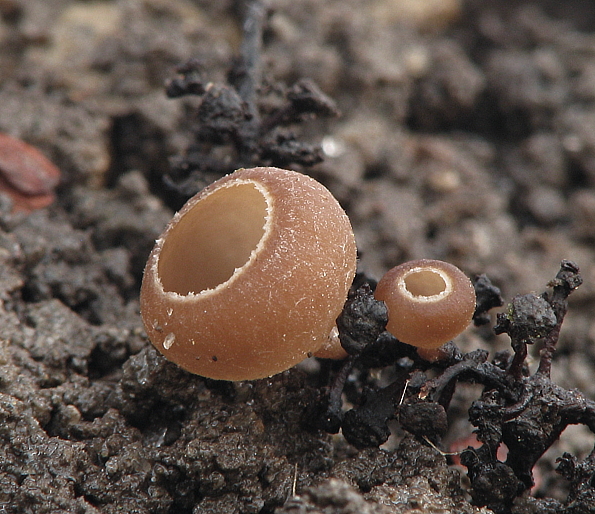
point(429, 302)
point(248, 278)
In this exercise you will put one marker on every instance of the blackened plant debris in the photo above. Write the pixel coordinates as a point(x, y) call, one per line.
point(282, 148)
point(363, 319)
point(423, 418)
point(526, 412)
point(581, 476)
point(566, 281)
point(367, 425)
point(529, 425)
point(326, 412)
point(361, 332)
point(189, 80)
point(529, 319)
point(494, 483)
point(238, 124)
point(487, 297)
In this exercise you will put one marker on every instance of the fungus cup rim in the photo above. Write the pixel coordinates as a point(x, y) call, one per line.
point(239, 271)
point(447, 291)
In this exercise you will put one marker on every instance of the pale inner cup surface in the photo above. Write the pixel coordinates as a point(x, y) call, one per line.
point(424, 283)
point(213, 239)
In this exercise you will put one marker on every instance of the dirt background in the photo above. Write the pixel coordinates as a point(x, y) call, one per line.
point(467, 134)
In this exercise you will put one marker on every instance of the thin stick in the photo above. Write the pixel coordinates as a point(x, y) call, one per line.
point(294, 485)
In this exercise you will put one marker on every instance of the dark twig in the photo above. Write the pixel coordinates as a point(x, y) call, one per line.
point(327, 413)
point(249, 75)
point(335, 402)
point(526, 413)
point(566, 281)
point(487, 297)
point(235, 115)
point(434, 388)
point(367, 425)
point(518, 362)
point(246, 77)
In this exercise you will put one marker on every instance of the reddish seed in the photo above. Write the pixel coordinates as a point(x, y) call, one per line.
point(26, 174)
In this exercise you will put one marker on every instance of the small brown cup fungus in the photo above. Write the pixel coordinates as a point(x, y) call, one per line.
point(248, 278)
point(429, 302)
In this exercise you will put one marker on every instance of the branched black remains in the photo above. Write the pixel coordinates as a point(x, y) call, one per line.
point(246, 122)
point(525, 412)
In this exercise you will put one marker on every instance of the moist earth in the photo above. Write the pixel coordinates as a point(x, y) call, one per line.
point(466, 135)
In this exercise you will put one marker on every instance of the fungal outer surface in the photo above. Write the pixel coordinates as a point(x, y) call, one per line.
point(249, 276)
point(429, 302)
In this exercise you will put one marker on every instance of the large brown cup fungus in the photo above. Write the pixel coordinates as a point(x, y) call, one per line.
point(248, 278)
point(429, 302)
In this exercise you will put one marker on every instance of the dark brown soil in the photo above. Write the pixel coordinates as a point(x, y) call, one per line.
point(467, 134)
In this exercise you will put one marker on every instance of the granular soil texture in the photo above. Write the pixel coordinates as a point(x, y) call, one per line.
point(466, 135)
